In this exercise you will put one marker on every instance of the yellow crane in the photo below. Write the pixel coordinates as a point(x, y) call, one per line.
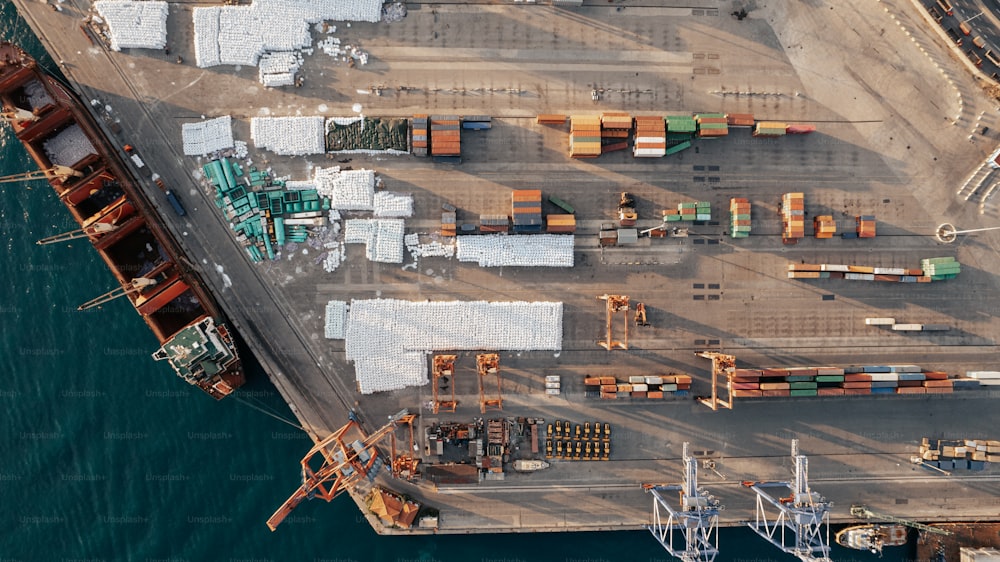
point(489, 364)
point(613, 305)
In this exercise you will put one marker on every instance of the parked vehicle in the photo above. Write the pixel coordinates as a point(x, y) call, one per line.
point(954, 36)
point(945, 6)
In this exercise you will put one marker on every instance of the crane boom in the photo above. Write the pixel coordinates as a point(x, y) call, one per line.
point(58, 172)
point(863, 512)
point(137, 284)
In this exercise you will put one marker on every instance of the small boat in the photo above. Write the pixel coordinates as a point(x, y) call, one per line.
point(871, 537)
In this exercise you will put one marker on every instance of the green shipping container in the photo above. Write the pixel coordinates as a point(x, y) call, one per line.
point(829, 378)
point(800, 378)
point(802, 392)
point(802, 386)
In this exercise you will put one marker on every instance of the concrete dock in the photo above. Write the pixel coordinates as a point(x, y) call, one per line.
point(899, 123)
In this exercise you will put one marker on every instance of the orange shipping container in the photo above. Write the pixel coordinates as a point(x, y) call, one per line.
point(608, 380)
point(850, 385)
point(747, 394)
point(857, 377)
point(830, 392)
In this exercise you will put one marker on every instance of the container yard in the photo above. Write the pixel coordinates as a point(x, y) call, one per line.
point(473, 311)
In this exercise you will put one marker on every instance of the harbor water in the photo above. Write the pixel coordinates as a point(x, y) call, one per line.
point(106, 455)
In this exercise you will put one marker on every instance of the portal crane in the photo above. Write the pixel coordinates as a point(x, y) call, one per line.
point(444, 367)
point(489, 366)
point(722, 366)
point(613, 305)
point(56, 172)
point(134, 286)
point(640, 314)
point(802, 515)
point(863, 512)
point(344, 463)
point(405, 464)
point(697, 519)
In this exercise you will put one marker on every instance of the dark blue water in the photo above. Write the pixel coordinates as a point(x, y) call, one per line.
point(106, 455)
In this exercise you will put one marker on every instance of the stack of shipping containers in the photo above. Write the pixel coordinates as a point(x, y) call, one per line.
point(526, 210)
point(477, 122)
point(556, 224)
point(493, 223)
point(419, 137)
point(448, 223)
point(693, 211)
point(739, 217)
point(680, 129)
point(769, 129)
point(615, 129)
point(445, 136)
point(739, 119)
point(865, 226)
point(793, 217)
point(650, 137)
point(824, 226)
point(837, 381)
point(584, 136)
point(550, 119)
point(939, 269)
point(638, 386)
point(712, 125)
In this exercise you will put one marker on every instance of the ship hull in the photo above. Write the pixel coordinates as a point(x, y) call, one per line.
point(62, 132)
point(871, 537)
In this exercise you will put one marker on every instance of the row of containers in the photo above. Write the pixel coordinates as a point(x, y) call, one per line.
point(962, 450)
point(526, 217)
point(263, 214)
point(891, 324)
point(931, 269)
point(443, 139)
point(843, 381)
point(638, 386)
point(793, 210)
point(689, 211)
point(656, 136)
point(739, 217)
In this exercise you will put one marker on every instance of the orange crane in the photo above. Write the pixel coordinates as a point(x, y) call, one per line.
point(405, 464)
point(722, 365)
point(614, 304)
point(489, 364)
point(444, 367)
point(344, 462)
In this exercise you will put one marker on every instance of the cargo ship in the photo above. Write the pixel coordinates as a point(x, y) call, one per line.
point(91, 179)
point(871, 537)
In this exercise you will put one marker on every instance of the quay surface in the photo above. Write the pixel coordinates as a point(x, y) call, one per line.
point(881, 149)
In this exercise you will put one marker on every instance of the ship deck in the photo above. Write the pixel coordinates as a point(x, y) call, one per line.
point(880, 150)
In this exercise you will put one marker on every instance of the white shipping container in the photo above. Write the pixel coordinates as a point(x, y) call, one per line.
point(636, 379)
point(833, 267)
point(552, 378)
point(640, 388)
point(884, 377)
point(880, 321)
point(551, 385)
point(654, 380)
point(908, 327)
point(552, 391)
point(981, 375)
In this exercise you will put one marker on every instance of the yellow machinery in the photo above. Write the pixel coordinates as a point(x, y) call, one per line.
point(444, 367)
point(404, 465)
point(722, 366)
point(489, 366)
point(614, 304)
point(345, 456)
point(640, 314)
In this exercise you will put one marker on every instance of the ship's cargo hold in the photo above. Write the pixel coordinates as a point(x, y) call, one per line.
point(739, 217)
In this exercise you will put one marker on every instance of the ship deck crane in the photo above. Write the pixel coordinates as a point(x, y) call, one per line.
point(344, 463)
point(613, 305)
point(444, 367)
point(57, 172)
point(17, 114)
point(134, 286)
point(863, 512)
point(722, 366)
point(690, 533)
point(489, 366)
point(803, 517)
point(85, 232)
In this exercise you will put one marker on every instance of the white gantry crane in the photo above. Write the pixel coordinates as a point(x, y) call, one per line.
point(802, 525)
point(690, 533)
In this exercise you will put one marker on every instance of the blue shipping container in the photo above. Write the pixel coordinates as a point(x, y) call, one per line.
point(477, 125)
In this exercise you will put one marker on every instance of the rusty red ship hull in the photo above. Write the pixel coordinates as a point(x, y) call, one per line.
point(62, 132)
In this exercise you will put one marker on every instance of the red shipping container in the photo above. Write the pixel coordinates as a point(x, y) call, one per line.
point(745, 386)
point(911, 390)
point(857, 377)
point(856, 384)
point(747, 394)
point(936, 375)
point(829, 392)
point(857, 391)
point(937, 384)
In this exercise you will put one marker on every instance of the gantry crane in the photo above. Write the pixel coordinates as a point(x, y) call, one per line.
point(697, 519)
point(405, 464)
point(803, 515)
point(722, 366)
point(55, 172)
point(134, 286)
point(344, 463)
point(863, 512)
point(613, 305)
point(444, 367)
point(489, 366)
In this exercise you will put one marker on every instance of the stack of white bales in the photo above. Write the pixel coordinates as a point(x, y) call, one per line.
point(348, 190)
point(278, 69)
point(134, 25)
point(207, 136)
point(290, 136)
point(383, 238)
point(68, 147)
point(527, 250)
point(387, 339)
point(335, 324)
point(391, 204)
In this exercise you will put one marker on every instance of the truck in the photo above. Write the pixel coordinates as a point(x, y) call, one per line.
point(626, 210)
point(954, 36)
point(945, 6)
point(974, 57)
point(175, 203)
point(137, 161)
